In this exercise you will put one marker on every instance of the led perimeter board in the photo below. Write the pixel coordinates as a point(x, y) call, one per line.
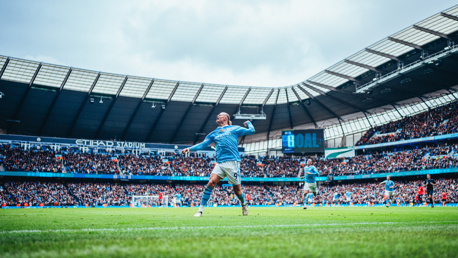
point(302, 141)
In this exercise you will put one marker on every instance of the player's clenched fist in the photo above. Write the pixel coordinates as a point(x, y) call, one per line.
point(185, 150)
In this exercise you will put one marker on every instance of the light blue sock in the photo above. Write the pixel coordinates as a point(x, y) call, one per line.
point(242, 199)
point(206, 195)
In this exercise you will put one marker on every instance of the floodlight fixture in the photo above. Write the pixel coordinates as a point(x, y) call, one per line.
point(91, 100)
point(101, 101)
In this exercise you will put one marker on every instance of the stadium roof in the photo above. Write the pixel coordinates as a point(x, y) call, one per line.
point(54, 100)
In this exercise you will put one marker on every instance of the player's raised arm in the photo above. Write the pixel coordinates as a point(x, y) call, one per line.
point(384, 182)
point(208, 140)
point(245, 131)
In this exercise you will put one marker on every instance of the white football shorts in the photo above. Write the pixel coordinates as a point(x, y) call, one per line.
point(310, 187)
point(388, 193)
point(229, 169)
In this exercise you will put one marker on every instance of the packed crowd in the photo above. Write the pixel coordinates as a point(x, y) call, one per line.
point(408, 160)
point(114, 194)
point(405, 192)
point(44, 160)
point(438, 121)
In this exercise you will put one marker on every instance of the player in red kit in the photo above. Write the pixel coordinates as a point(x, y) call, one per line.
point(420, 193)
point(160, 198)
point(444, 198)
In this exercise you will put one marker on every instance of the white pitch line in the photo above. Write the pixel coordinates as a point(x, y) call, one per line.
point(210, 227)
point(186, 228)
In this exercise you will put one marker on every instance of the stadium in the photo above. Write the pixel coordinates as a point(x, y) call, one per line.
point(104, 164)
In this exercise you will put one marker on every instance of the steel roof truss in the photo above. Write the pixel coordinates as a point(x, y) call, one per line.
point(362, 65)
point(446, 15)
point(187, 112)
point(4, 66)
point(24, 96)
point(54, 101)
point(341, 75)
point(319, 103)
point(110, 107)
point(162, 112)
point(442, 35)
point(304, 107)
point(209, 115)
point(83, 104)
point(383, 54)
point(405, 43)
point(136, 110)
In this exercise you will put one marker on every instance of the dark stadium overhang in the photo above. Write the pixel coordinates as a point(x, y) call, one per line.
point(52, 100)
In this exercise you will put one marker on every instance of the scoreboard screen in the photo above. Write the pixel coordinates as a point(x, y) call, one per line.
point(303, 141)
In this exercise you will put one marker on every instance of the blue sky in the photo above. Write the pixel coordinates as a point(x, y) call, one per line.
point(255, 43)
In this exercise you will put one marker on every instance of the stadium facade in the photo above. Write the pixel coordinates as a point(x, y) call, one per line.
point(366, 89)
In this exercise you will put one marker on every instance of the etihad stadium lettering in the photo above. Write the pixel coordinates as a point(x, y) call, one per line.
point(113, 144)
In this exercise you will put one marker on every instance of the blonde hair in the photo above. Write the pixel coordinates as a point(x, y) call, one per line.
point(229, 122)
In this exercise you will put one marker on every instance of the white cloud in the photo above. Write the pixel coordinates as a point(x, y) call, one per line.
point(263, 43)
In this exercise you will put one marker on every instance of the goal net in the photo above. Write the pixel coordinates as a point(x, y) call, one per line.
point(140, 201)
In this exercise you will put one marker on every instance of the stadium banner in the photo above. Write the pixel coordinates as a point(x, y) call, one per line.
point(16, 139)
point(206, 178)
point(401, 142)
point(332, 153)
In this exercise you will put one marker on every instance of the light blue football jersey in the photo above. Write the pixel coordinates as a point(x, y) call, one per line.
point(388, 185)
point(226, 141)
point(313, 174)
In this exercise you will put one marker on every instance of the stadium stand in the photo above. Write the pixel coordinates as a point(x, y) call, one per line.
point(439, 121)
point(47, 100)
point(16, 158)
point(14, 193)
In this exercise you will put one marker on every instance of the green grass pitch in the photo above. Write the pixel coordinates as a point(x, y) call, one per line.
point(223, 232)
